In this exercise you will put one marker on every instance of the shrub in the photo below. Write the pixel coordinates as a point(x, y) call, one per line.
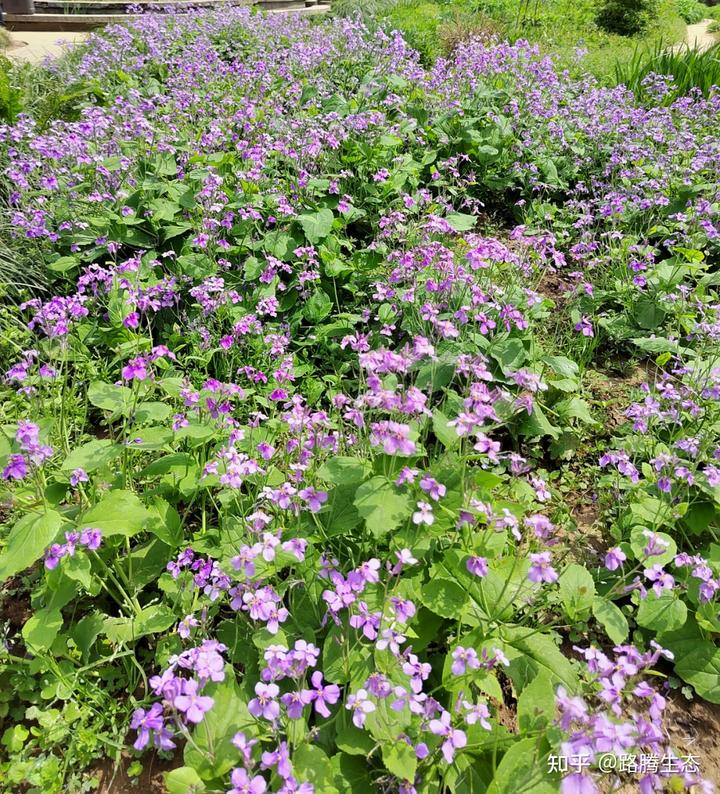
point(465, 27)
point(626, 17)
point(10, 97)
point(691, 11)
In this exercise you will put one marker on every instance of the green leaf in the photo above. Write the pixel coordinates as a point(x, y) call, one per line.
point(150, 620)
point(27, 541)
point(311, 765)
point(400, 759)
point(536, 704)
point(212, 754)
point(574, 408)
point(577, 591)
point(40, 630)
point(87, 630)
point(353, 741)
point(184, 780)
point(564, 367)
point(444, 597)
point(316, 225)
point(92, 456)
point(537, 425)
point(109, 397)
point(665, 613)
point(153, 411)
point(522, 771)
point(541, 654)
point(447, 435)
point(317, 307)
point(700, 666)
point(461, 222)
point(382, 507)
point(118, 513)
point(611, 619)
point(344, 470)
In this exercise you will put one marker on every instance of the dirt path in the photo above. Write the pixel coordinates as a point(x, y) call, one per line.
point(33, 46)
point(699, 37)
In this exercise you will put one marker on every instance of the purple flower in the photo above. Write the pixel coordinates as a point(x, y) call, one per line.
point(615, 558)
point(477, 713)
point(244, 784)
point(323, 694)
point(91, 538)
point(360, 707)
point(295, 702)
point(454, 739)
point(314, 499)
point(16, 468)
point(135, 369)
point(541, 570)
point(193, 705)
point(424, 514)
point(149, 723)
point(432, 488)
point(462, 658)
point(265, 705)
point(478, 566)
point(245, 746)
point(78, 476)
point(577, 783)
point(584, 326)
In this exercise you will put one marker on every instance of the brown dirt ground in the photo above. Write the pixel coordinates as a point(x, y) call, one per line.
point(151, 781)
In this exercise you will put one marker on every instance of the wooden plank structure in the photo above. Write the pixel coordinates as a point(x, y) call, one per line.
point(78, 15)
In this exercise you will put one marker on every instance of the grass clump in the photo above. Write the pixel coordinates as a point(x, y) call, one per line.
point(688, 69)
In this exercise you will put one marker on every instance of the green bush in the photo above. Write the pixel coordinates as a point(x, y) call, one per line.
point(10, 97)
point(691, 11)
point(626, 17)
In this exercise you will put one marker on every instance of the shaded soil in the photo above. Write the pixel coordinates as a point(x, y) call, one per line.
point(694, 728)
point(151, 781)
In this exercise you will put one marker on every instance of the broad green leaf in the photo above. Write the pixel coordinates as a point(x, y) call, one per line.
point(92, 456)
point(151, 620)
point(212, 754)
point(522, 771)
point(153, 411)
point(536, 704)
point(461, 222)
point(109, 397)
point(184, 780)
point(317, 307)
point(40, 630)
point(700, 667)
point(311, 765)
point(400, 759)
point(563, 366)
point(316, 225)
point(665, 613)
point(446, 434)
point(611, 619)
point(577, 591)
point(444, 597)
point(344, 470)
point(27, 541)
point(382, 507)
point(354, 741)
point(117, 513)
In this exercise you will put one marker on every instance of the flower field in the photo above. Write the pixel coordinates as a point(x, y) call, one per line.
point(361, 426)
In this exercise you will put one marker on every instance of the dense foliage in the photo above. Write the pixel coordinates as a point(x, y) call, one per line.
point(296, 445)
